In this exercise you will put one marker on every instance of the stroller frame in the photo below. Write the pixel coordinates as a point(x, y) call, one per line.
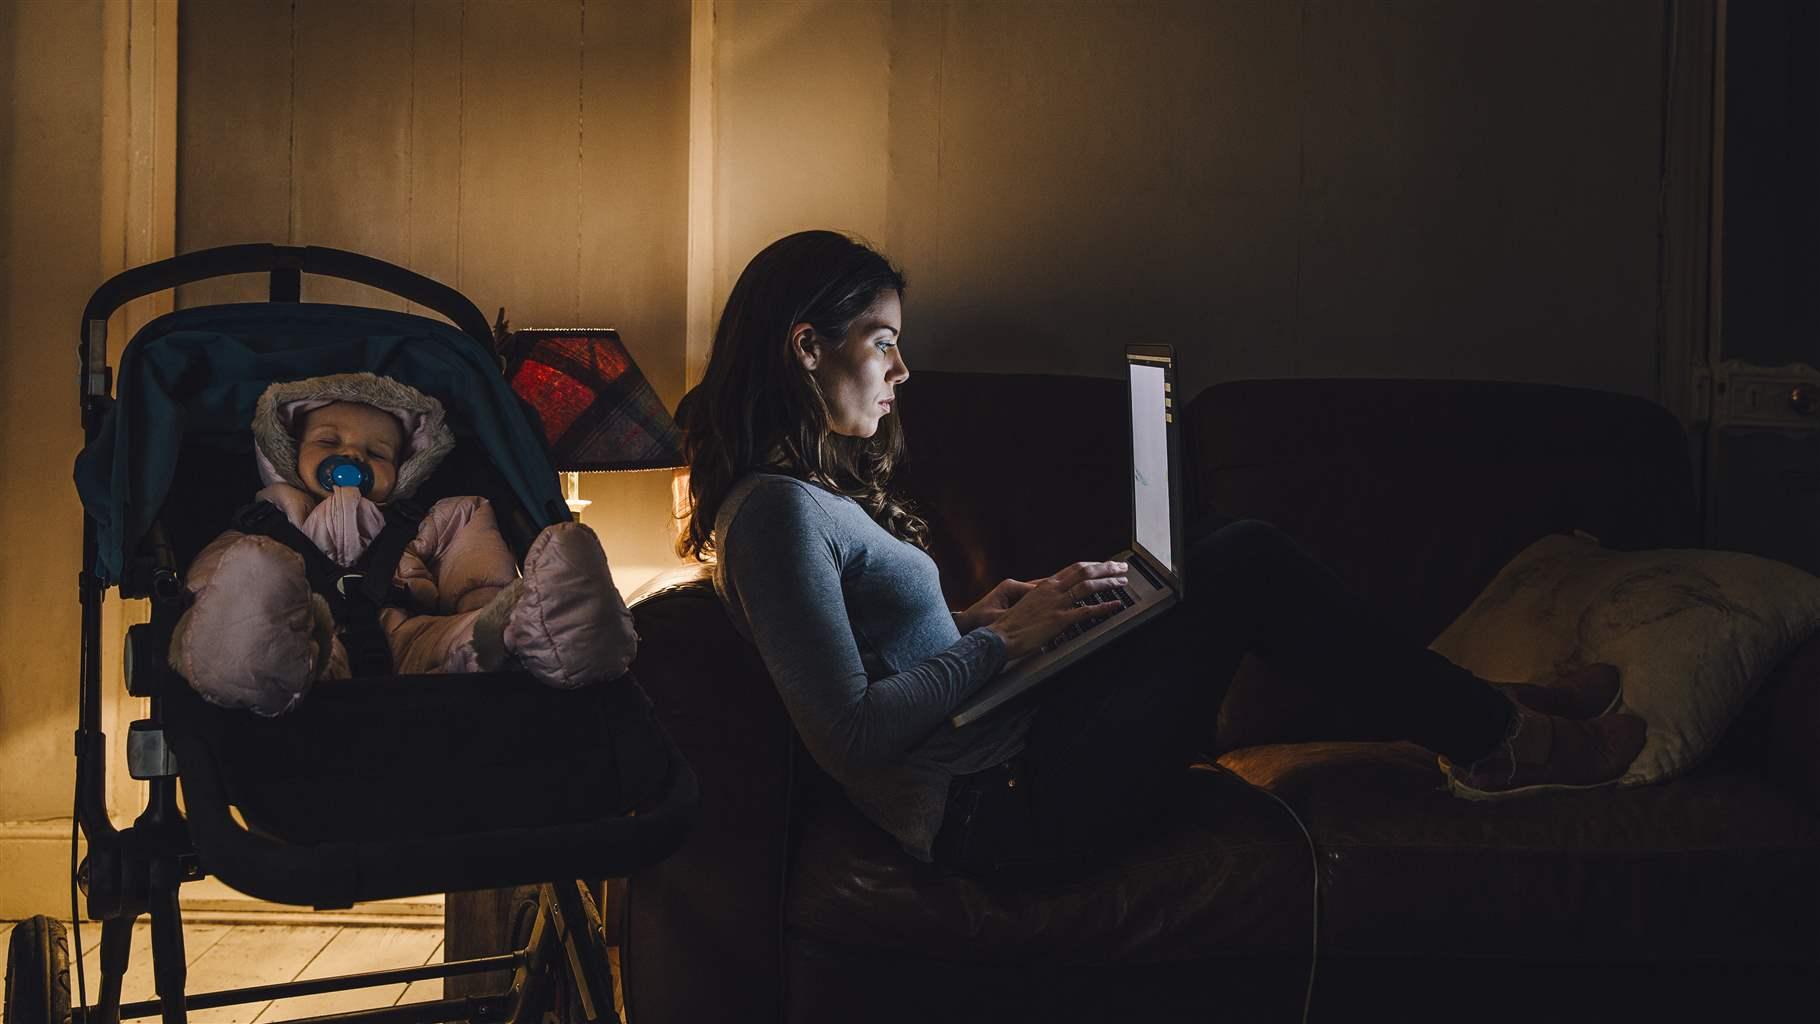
point(560, 960)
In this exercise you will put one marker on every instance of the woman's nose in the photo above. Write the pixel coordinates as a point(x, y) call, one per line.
point(900, 370)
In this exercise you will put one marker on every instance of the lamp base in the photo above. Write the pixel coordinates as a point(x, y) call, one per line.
point(571, 495)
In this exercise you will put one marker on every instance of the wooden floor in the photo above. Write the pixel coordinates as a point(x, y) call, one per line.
point(235, 955)
point(233, 941)
point(222, 956)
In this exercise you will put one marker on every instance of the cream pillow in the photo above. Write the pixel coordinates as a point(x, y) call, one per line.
point(1692, 632)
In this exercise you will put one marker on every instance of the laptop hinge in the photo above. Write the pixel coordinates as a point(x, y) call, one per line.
point(1142, 565)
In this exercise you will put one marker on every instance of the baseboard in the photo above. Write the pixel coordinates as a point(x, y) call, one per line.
point(35, 869)
point(34, 879)
point(210, 900)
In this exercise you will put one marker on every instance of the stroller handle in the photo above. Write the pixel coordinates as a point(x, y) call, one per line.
point(286, 263)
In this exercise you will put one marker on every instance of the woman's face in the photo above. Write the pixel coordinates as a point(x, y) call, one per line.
point(859, 375)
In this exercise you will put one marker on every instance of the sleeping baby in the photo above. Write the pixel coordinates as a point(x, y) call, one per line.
point(335, 454)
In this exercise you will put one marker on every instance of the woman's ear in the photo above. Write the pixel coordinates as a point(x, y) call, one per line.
point(804, 347)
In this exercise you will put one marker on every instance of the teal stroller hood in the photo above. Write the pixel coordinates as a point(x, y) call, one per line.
point(193, 376)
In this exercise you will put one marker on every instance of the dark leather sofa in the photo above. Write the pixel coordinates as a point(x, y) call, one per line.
point(1694, 900)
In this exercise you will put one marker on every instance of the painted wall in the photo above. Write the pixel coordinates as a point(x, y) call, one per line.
point(86, 160)
point(52, 254)
point(532, 155)
point(50, 259)
point(1334, 187)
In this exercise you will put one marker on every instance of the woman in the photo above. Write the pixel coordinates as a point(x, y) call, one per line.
point(792, 438)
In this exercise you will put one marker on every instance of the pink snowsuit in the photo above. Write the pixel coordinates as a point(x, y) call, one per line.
point(257, 637)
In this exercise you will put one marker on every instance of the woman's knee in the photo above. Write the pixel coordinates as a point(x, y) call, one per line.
point(1239, 546)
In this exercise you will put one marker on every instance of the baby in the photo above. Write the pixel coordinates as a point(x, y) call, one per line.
point(334, 452)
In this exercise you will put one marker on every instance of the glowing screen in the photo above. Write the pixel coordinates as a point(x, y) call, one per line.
point(1150, 460)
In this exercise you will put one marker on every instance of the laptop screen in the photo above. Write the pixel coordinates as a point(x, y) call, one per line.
point(1150, 410)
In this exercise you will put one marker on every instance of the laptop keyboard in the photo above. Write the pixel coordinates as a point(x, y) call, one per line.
point(1118, 594)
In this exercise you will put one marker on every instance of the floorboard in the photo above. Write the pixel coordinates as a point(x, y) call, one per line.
point(223, 956)
point(253, 955)
point(198, 939)
point(428, 990)
point(352, 951)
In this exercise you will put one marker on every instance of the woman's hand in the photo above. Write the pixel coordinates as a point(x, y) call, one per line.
point(1048, 608)
point(996, 603)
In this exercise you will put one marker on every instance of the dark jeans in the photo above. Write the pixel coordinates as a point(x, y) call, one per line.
point(1113, 734)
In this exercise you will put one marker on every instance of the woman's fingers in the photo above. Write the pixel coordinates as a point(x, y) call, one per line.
point(1073, 574)
point(1087, 613)
point(1087, 588)
point(1054, 607)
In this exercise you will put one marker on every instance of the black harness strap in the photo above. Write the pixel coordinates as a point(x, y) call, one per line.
point(355, 594)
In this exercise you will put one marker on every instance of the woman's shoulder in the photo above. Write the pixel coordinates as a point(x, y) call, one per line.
point(775, 496)
point(772, 504)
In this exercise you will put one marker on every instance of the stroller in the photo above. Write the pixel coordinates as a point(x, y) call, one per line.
point(375, 788)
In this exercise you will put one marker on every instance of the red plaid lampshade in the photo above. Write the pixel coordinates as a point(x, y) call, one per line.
point(598, 411)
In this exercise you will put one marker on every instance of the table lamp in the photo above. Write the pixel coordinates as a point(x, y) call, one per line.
point(598, 411)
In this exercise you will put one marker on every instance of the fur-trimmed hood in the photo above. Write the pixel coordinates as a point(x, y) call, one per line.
point(277, 415)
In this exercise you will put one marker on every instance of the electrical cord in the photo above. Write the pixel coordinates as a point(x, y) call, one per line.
point(1314, 859)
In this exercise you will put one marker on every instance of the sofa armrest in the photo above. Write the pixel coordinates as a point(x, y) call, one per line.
point(1792, 700)
point(711, 910)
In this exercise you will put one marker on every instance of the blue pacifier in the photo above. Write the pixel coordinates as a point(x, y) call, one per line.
point(344, 471)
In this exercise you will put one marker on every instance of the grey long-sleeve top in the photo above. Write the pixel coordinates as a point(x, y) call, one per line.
point(852, 625)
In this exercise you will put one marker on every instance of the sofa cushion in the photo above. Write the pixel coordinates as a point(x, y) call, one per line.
point(1692, 633)
point(1779, 727)
point(1231, 872)
point(1719, 864)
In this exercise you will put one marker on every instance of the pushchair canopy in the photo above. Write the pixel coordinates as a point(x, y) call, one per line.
point(193, 376)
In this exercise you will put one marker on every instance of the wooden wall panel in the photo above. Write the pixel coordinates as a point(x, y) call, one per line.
point(54, 250)
point(802, 123)
point(521, 160)
point(1481, 191)
point(1101, 174)
point(634, 264)
point(351, 148)
point(1467, 188)
point(532, 155)
point(433, 227)
point(912, 224)
point(634, 181)
point(234, 134)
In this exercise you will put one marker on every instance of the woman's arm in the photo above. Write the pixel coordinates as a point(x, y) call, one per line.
point(781, 562)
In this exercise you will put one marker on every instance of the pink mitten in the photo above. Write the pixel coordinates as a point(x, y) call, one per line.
point(563, 620)
point(256, 637)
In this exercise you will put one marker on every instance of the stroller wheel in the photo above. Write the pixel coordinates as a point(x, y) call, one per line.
point(38, 973)
point(524, 909)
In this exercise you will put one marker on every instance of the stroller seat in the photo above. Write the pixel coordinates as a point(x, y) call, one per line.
point(381, 788)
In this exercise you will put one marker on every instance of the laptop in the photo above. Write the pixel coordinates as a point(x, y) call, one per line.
point(1156, 554)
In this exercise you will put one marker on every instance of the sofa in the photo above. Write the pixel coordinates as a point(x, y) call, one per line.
point(1695, 899)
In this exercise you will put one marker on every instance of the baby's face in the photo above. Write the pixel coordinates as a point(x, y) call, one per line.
point(360, 431)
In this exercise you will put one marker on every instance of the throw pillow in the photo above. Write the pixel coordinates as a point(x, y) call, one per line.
point(1692, 633)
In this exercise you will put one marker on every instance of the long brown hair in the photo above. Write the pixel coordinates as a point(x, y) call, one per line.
point(756, 408)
